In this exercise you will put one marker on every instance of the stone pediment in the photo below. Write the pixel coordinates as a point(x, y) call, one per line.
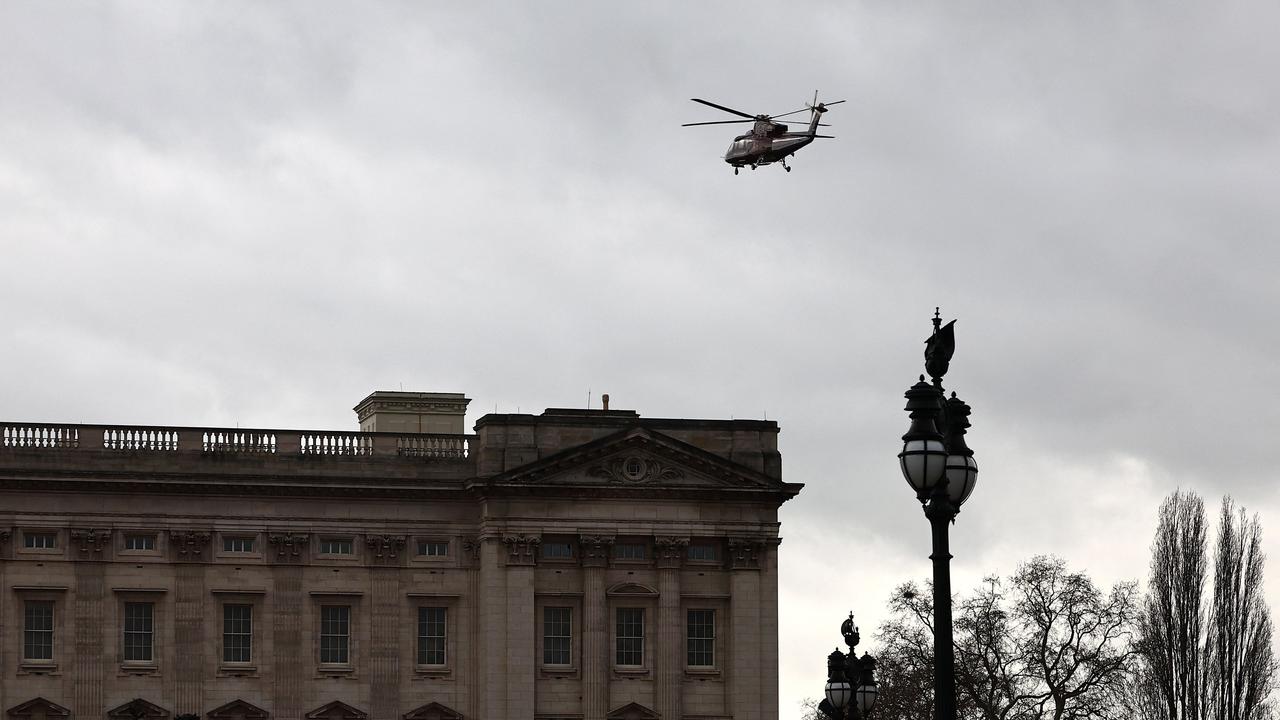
point(238, 710)
point(38, 709)
point(137, 709)
point(336, 710)
point(632, 711)
point(637, 458)
point(433, 711)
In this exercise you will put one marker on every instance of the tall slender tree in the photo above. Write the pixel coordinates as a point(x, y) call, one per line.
point(1171, 680)
point(1199, 663)
point(1241, 668)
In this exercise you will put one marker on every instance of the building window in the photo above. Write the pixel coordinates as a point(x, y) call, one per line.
point(336, 546)
point(701, 638)
point(40, 540)
point(630, 551)
point(630, 636)
point(237, 633)
point(335, 633)
point(702, 552)
point(139, 542)
point(557, 636)
point(557, 550)
point(237, 544)
point(431, 635)
point(433, 548)
point(37, 630)
point(138, 635)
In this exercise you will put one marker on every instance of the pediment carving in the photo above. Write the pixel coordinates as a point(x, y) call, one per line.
point(336, 710)
point(137, 709)
point(433, 711)
point(38, 709)
point(238, 710)
point(638, 458)
point(633, 589)
point(632, 711)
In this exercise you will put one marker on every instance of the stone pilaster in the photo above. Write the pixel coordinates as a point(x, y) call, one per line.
point(189, 611)
point(493, 621)
point(745, 662)
point(769, 629)
point(521, 643)
point(386, 631)
point(471, 683)
point(292, 652)
point(595, 550)
point(670, 641)
point(90, 660)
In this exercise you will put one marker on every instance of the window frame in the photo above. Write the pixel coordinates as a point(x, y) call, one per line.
point(257, 641)
point(350, 540)
point(569, 663)
point(644, 545)
point(419, 637)
point(55, 549)
point(347, 645)
point(53, 634)
point(421, 543)
point(223, 662)
point(356, 631)
point(155, 598)
point(547, 543)
point(712, 544)
point(149, 633)
point(55, 595)
point(618, 637)
point(714, 639)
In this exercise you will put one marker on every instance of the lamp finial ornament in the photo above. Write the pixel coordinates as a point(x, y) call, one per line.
point(938, 350)
point(850, 632)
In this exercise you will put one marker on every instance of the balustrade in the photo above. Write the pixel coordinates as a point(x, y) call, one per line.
point(228, 441)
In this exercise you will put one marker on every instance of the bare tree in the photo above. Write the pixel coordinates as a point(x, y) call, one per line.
point(1050, 645)
point(1170, 684)
point(1241, 669)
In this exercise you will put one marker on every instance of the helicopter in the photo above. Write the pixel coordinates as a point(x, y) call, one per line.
point(767, 142)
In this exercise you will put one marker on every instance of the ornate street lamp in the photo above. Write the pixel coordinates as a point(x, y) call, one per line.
point(939, 466)
point(851, 680)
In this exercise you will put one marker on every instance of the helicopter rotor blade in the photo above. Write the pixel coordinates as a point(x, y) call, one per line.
point(793, 112)
point(717, 122)
point(731, 111)
point(833, 102)
point(796, 135)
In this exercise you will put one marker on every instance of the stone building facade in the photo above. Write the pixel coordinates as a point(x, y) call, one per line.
point(578, 564)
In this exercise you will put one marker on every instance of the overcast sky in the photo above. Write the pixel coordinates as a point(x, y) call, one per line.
point(220, 213)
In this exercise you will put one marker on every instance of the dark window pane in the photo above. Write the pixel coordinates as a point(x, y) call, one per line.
point(335, 634)
point(138, 631)
point(701, 638)
point(630, 636)
point(431, 635)
point(37, 631)
point(557, 550)
point(557, 636)
point(237, 633)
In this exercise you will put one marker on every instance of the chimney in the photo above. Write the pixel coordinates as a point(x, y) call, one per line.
point(413, 412)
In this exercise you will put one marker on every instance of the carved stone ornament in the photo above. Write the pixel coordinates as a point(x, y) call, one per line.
point(635, 470)
point(336, 710)
point(38, 708)
point(433, 711)
point(745, 554)
point(669, 551)
point(471, 550)
point(91, 541)
point(595, 549)
point(385, 547)
point(522, 549)
point(238, 710)
point(288, 545)
point(632, 711)
point(189, 543)
point(137, 709)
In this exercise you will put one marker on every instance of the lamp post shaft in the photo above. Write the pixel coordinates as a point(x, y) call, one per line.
point(944, 661)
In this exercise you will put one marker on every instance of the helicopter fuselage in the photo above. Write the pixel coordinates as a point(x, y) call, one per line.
point(752, 149)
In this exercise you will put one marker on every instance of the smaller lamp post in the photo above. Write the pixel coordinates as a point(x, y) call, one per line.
point(851, 680)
